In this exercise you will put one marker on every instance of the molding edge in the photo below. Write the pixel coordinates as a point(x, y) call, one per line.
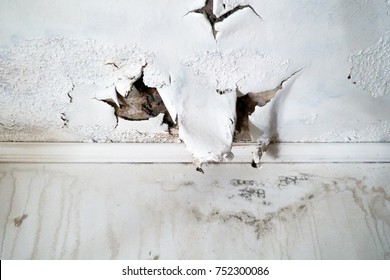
point(176, 153)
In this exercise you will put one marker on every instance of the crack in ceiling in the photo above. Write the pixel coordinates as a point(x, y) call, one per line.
point(207, 11)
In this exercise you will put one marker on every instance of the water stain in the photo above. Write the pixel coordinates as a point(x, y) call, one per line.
point(260, 225)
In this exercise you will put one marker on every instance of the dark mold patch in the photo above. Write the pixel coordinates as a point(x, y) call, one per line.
point(261, 226)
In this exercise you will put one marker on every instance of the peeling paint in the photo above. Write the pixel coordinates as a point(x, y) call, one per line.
point(207, 140)
point(210, 8)
point(57, 84)
point(64, 88)
point(246, 105)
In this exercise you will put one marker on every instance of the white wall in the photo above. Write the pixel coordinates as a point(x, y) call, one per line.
point(302, 211)
point(54, 48)
point(53, 73)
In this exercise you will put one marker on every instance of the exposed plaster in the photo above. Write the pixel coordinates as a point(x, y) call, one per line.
point(137, 102)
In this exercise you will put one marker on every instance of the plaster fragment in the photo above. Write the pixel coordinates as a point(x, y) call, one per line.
point(87, 110)
point(109, 93)
point(204, 118)
point(123, 86)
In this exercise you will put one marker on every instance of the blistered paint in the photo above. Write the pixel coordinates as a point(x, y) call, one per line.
point(371, 68)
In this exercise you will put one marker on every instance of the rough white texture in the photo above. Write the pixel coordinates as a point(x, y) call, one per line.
point(244, 70)
point(374, 132)
point(55, 85)
point(371, 68)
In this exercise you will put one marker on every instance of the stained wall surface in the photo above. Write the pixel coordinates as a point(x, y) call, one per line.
point(283, 211)
point(65, 65)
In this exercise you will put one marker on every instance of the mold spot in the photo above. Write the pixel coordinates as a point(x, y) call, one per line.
point(19, 220)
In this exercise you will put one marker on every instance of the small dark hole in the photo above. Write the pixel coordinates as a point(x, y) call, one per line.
point(200, 170)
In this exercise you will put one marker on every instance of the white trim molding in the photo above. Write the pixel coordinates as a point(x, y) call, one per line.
point(176, 153)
